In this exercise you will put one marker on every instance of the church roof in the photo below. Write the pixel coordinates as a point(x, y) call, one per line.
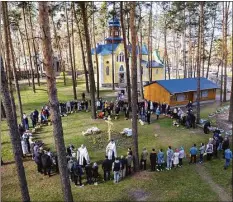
point(106, 49)
point(144, 49)
point(154, 64)
point(114, 38)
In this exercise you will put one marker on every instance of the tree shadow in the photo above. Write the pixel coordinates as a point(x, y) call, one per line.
point(26, 159)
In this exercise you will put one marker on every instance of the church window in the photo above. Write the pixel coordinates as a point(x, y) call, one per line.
point(157, 71)
point(107, 62)
point(116, 33)
point(121, 68)
point(107, 70)
point(121, 57)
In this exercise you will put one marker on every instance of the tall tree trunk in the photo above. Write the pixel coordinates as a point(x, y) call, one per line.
point(73, 48)
point(149, 48)
point(176, 55)
point(200, 32)
point(11, 117)
point(126, 54)
point(53, 100)
point(89, 59)
point(14, 135)
point(59, 48)
point(151, 41)
point(83, 53)
point(14, 70)
point(29, 49)
point(225, 53)
point(211, 44)
point(140, 66)
point(70, 54)
point(134, 86)
point(96, 59)
point(7, 52)
point(165, 52)
point(190, 49)
point(218, 69)
point(3, 112)
point(230, 117)
point(25, 59)
point(202, 62)
point(184, 50)
point(113, 68)
point(221, 85)
point(34, 47)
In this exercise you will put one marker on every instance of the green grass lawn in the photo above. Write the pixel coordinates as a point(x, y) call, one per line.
point(183, 184)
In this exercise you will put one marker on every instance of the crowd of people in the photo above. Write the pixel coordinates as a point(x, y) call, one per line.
point(80, 165)
point(121, 167)
point(174, 158)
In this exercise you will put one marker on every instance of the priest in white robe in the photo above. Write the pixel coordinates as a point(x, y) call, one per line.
point(82, 155)
point(111, 150)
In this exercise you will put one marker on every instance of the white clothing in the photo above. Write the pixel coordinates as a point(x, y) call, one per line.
point(176, 158)
point(111, 149)
point(24, 146)
point(209, 148)
point(181, 154)
point(82, 154)
point(68, 104)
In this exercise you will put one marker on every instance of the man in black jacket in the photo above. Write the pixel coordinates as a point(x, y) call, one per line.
point(123, 162)
point(106, 166)
point(46, 164)
point(153, 157)
point(38, 162)
point(88, 169)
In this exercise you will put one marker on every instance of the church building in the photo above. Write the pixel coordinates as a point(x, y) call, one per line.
point(112, 51)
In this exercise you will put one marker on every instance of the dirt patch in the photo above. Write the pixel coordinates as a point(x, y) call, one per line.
point(143, 175)
point(222, 121)
point(139, 195)
point(223, 196)
point(156, 126)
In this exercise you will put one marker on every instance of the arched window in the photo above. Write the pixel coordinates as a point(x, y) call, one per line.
point(107, 70)
point(121, 57)
point(121, 68)
point(157, 71)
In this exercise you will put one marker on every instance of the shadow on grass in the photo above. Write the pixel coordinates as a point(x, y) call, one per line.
point(28, 158)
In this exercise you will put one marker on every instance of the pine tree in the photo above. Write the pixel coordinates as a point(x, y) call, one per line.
point(53, 100)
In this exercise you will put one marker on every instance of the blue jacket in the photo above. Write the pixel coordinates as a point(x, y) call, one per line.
point(228, 154)
point(157, 112)
point(193, 151)
point(170, 153)
point(160, 157)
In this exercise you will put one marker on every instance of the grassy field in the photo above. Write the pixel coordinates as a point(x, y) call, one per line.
point(183, 184)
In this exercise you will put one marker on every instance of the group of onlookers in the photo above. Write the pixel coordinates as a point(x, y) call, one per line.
point(174, 158)
point(121, 167)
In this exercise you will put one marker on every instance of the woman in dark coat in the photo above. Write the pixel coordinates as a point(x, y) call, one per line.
point(95, 173)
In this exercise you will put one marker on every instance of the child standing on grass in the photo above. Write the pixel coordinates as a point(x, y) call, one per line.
point(202, 151)
point(95, 173)
point(160, 160)
point(176, 158)
point(228, 156)
point(169, 158)
point(181, 156)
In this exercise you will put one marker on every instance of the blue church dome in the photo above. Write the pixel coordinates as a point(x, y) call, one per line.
point(114, 22)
